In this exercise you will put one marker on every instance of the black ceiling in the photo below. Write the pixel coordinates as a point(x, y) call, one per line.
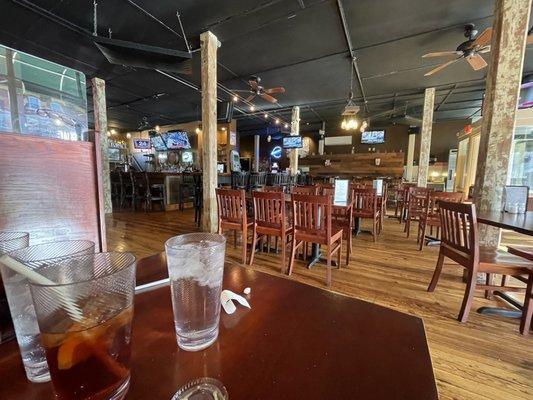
point(299, 44)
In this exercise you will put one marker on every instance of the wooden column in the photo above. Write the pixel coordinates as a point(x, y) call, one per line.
point(511, 19)
point(295, 130)
point(425, 137)
point(12, 91)
point(100, 126)
point(209, 46)
point(410, 158)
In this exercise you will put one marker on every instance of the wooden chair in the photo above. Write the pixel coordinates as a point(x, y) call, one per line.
point(232, 215)
point(402, 195)
point(305, 189)
point(365, 205)
point(342, 218)
point(460, 243)
point(185, 190)
point(257, 180)
point(156, 192)
point(239, 180)
point(270, 219)
point(324, 187)
point(527, 320)
point(198, 199)
point(430, 215)
point(382, 202)
point(311, 215)
point(416, 204)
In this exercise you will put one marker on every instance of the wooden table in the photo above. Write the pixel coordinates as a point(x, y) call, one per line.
point(521, 223)
point(297, 342)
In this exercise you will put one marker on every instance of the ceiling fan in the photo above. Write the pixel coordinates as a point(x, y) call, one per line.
point(257, 90)
point(469, 50)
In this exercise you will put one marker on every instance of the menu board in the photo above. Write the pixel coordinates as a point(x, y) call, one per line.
point(342, 187)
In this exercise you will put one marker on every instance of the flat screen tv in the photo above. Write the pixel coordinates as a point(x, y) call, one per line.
point(158, 143)
point(373, 137)
point(142, 144)
point(177, 140)
point(292, 142)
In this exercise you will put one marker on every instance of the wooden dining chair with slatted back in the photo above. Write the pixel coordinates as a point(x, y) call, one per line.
point(270, 219)
point(460, 243)
point(312, 223)
point(341, 217)
point(402, 199)
point(232, 215)
point(365, 206)
point(430, 216)
point(416, 204)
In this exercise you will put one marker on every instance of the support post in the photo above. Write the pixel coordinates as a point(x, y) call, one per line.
point(100, 126)
point(410, 158)
point(209, 46)
point(12, 91)
point(504, 75)
point(425, 137)
point(321, 139)
point(295, 130)
point(257, 139)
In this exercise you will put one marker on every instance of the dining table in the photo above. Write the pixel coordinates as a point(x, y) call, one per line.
point(520, 223)
point(296, 342)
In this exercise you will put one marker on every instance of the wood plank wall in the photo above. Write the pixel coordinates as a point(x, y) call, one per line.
point(358, 164)
point(49, 188)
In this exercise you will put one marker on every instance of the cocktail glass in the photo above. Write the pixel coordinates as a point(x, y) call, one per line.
point(88, 351)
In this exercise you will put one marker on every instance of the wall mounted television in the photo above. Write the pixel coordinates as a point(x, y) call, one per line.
point(177, 140)
point(142, 144)
point(292, 142)
point(373, 137)
point(158, 143)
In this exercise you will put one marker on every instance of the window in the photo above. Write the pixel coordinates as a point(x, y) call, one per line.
point(522, 157)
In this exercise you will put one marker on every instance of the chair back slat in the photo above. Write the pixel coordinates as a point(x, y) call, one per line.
point(459, 232)
point(312, 214)
point(269, 209)
point(231, 205)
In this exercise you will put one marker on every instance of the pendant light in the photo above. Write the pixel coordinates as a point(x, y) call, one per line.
point(349, 122)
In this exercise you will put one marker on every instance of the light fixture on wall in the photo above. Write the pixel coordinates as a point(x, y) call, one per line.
point(269, 138)
point(198, 129)
point(128, 135)
point(349, 122)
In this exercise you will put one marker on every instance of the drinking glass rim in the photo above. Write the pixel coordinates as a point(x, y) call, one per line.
point(20, 234)
point(12, 253)
point(130, 263)
point(218, 240)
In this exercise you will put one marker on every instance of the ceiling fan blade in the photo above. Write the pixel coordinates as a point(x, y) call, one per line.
point(529, 39)
point(249, 98)
point(273, 90)
point(484, 38)
point(476, 62)
point(253, 84)
point(268, 98)
point(485, 49)
point(241, 90)
point(442, 66)
point(442, 54)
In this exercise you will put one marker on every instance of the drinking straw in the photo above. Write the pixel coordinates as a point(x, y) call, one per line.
point(72, 309)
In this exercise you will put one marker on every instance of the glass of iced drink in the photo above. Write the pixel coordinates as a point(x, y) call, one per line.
point(20, 302)
point(195, 267)
point(85, 321)
point(9, 241)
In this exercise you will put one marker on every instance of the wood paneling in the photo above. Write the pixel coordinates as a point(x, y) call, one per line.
point(358, 164)
point(48, 187)
point(486, 358)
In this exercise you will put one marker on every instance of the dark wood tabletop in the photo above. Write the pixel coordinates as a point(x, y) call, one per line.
point(521, 223)
point(297, 342)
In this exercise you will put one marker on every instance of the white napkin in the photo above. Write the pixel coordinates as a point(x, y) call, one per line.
point(227, 297)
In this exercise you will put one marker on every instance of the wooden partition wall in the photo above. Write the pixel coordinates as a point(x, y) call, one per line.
point(51, 188)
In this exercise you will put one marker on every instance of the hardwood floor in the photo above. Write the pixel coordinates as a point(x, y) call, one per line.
point(485, 358)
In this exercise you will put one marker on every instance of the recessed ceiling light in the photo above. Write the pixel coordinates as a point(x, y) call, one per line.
point(286, 126)
point(266, 116)
point(252, 108)
point(277, 121)
point(235, 99)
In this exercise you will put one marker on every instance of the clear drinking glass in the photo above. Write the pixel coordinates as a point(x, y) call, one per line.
point(9, 241)
point(85, 322)
point(195, 267)
point(21, 304)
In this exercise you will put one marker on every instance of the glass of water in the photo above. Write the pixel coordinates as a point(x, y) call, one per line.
point(21, 303)
point(195, 267)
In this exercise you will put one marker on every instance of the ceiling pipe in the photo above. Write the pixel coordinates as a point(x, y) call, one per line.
point(352, 53)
